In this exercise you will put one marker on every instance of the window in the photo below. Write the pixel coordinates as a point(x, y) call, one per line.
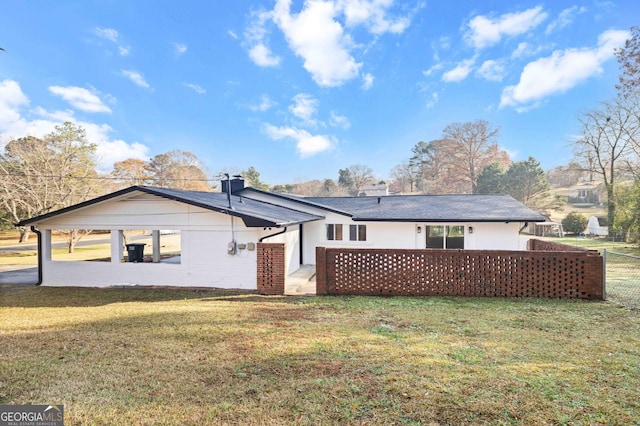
point(448, 237)
point(358, 232)
point(334, 232)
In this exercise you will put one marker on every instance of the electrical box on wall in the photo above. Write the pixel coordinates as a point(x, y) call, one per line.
point(251, 246)
point(231, 248)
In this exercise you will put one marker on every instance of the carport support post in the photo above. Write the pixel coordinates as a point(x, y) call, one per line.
point(155, 235)
point(117, 246)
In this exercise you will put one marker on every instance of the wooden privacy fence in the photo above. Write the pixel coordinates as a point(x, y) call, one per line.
point(491, 273)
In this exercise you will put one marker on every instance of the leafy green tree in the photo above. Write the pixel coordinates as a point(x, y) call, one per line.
point(525, 180)
point(252, 177)
point(491, 180)
point(574, 223)
point(345, 180)
point(329, 186)
point(627, 219)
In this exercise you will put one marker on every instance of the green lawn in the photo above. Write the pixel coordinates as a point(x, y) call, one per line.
point(139, 356)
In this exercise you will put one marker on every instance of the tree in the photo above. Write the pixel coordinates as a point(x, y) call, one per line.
point(38, 176)
point(452, 164)
point(252, 177)
point(473, 148)
point(525, 180)
point(627, 218)
point(491, 180)
point(629, 60)
point(345, 180)
point(329, 187)
point(574, 223)
point(361, 176)
point(404, 177)
point(606, 146)
point(178, 169)
point(131, 172)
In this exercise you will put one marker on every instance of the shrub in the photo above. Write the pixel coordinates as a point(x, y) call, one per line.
point(574, 223)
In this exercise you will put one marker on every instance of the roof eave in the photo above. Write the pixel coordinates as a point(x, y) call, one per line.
point(368, 219)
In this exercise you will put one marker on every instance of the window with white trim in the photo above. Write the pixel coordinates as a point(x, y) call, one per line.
point(358, 232)
point(334, 232)
point(447, 237)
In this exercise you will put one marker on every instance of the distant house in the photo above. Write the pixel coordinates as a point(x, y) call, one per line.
point(218, 235)
point(585, 194)
point(374, 190)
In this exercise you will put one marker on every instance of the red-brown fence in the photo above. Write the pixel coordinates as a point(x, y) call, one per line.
point(271, 268)
point(492, 273)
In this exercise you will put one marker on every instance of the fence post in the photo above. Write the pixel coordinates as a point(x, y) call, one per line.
point(604, 274)
point(321, 271)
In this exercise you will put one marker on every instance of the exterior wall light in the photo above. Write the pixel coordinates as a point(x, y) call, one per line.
point(471, 229)
point(419, 229)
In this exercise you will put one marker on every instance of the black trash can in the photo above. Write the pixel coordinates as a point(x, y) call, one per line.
point(135, 252)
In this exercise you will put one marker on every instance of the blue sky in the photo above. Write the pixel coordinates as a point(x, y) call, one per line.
point(300, 89)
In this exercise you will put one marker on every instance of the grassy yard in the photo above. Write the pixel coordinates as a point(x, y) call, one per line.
point(142, 356)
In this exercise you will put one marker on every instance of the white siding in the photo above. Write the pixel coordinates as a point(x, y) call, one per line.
point(204, 239)
point(405, 235)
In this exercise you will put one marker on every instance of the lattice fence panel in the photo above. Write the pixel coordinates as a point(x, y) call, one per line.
point(464, 273)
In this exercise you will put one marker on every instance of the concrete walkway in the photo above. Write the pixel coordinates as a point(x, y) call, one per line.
point(18, 274)
point(302, 282)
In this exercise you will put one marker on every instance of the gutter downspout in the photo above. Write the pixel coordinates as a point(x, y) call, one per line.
point(39, 234)
point(272, 235)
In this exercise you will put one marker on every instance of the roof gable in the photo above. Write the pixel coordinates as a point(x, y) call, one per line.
point(253, 213)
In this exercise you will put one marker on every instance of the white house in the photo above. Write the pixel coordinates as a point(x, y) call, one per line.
point(216, 234)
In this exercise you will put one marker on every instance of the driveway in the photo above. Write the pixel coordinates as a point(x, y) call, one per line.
point(18, 274)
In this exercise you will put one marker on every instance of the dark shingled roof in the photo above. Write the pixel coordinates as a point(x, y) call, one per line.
point(421, 208)
point(253, 213)
point(433, 208)
point(393, 208)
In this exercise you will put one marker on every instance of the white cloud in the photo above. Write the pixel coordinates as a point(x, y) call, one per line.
point(316, 37)
point(262, 56)
point(80, 98)
point(307, 144)
point(320, 34)
point(561, 71)
point(433, 100)
point(460, 72)
point(112, 151)
point(255, 40)
point(304, 107)
point(136, 77)
point(107, 33)
point(564, 19)
point(492, 70)
point(196, 88)
point(265, 104)
point(11, 99)
point(179, 49)
point(434, 68)
point(484, 32)
point(339, 121)
point(372, 14)
point(14, 124)
point(113, 36)
point(367, 81)
point(124, 50)
point(232, 34)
